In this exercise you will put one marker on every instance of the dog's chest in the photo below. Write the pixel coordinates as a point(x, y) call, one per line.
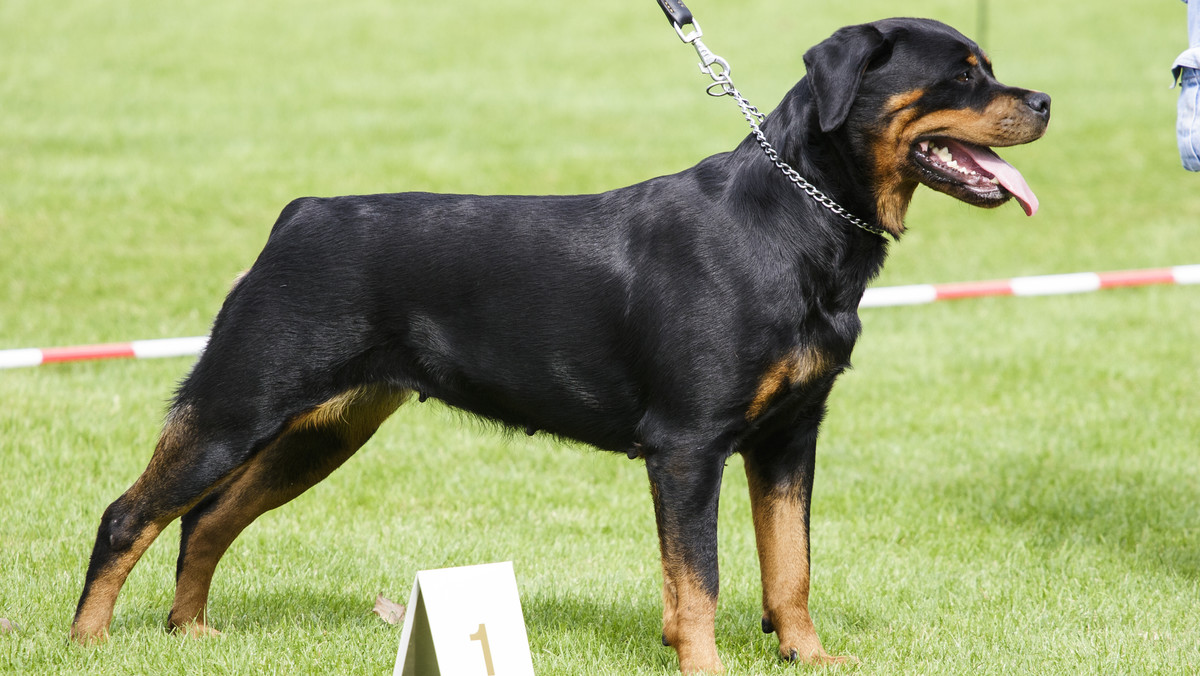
point(803, 369)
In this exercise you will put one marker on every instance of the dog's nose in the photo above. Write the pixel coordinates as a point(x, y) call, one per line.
point(1039, 103)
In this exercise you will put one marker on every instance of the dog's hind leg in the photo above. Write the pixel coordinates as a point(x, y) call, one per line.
point(309, 448)
point(780, 476)
point(685, 488)
point(166, 489)
point(208, 469)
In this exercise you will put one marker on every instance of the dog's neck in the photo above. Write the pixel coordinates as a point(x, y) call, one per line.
point(823, 159)
point(793, 127)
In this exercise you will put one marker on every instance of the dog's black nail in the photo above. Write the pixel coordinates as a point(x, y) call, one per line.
point(531, 431)
point(792, 655)
point(633, 453)
point(768, 628)
point(421, 397)
point(665, 641)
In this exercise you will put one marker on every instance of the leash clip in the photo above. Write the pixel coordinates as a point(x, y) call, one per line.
point(679, 16)
point(719, 74)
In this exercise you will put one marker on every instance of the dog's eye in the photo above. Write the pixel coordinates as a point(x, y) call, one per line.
point(963, 77)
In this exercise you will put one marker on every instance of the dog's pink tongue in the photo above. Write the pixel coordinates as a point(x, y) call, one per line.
point(1005, 173)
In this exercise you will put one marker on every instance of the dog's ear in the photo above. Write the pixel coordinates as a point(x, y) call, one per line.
point(835, 69)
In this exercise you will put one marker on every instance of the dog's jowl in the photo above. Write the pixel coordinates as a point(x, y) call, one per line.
point(680, 320)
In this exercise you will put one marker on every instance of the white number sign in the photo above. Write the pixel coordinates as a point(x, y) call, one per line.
point(465, 622)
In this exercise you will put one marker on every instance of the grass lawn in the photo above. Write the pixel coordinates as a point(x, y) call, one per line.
point(1004, 485)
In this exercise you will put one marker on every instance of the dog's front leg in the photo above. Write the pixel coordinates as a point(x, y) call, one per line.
point(780, 476)
point(685, 487)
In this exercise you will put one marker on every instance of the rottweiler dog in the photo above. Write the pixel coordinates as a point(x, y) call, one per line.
point(679, 321)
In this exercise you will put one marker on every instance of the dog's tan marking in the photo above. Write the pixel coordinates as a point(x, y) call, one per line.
point(204, 548)
point(91, 622)
point(370, 406)
point(689, 619)
point(795, 369)
point(96, 609)
point(771, 384)
point(689, 609)
point(898, 102)
point(260, 485)
point(972, 60)
point(1004, 122)
point(893, 190)
point(779, 528)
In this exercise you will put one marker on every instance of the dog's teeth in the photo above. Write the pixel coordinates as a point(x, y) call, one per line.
point(946, 158)
point(924, 146)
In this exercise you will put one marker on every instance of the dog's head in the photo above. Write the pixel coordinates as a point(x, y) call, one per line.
point(920, 104)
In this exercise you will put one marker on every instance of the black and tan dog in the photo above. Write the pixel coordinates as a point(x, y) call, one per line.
point(680, 320)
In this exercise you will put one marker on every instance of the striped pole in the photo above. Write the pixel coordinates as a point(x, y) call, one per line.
point(138, 349)
point(1041, 285)
point(887, 296)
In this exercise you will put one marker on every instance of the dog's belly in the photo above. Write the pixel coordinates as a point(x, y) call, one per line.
point(525, 376)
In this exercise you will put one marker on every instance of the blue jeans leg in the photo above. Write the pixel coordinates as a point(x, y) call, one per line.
point(1187, 124)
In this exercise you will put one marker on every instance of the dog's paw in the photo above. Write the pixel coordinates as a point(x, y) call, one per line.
point(87, 637)
point(196, 630)
point(689, 668)
point(819, 658)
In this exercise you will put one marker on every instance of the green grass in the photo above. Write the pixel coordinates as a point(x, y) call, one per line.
point(1004, 485)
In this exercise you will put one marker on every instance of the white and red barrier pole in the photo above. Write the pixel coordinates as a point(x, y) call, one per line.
point(138, 349)
point(1042, 285)
point(887, 296)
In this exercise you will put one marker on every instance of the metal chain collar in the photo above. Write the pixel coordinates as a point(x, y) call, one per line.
point(718, 69)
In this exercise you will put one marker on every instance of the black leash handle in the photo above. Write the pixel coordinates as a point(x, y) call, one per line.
point(677, 12)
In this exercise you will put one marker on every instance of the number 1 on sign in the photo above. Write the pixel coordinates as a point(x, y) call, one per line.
point(481, 636)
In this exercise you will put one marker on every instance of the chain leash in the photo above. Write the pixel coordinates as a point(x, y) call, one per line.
point(718, 69)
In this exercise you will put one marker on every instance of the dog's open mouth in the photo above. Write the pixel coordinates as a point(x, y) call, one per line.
point(972, 173)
